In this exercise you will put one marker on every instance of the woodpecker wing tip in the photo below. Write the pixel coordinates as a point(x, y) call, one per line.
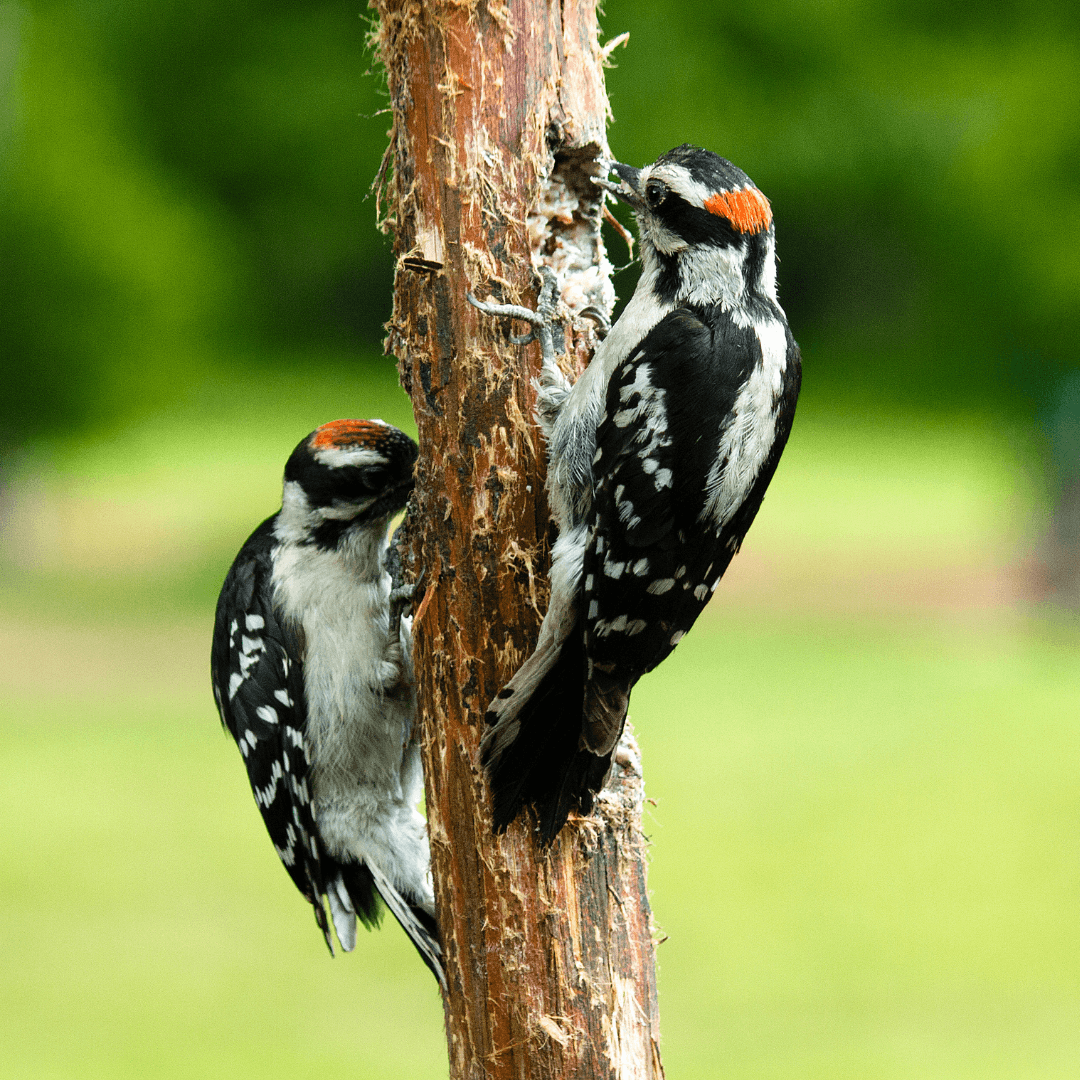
point(412, 919)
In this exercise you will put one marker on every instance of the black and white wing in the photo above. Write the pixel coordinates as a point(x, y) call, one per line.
point(693, 427)
point(694, 422)
point(257, 674)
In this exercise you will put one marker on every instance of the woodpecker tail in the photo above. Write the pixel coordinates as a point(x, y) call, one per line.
point(549, 743)
point(417, 922)
point(353, 893)
point(350, 895)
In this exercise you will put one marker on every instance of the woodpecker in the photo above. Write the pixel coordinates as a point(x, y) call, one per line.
point(658, 460)
point(312, 674)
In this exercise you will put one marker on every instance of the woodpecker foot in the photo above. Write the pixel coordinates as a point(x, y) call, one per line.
point(552, 386)
point(541, 320)
point(401, 597)
point(603, 323)
point(403, 594)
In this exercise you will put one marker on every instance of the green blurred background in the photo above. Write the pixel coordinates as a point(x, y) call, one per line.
point(864, 759)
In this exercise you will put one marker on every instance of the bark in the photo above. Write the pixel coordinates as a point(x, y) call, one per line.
point(499, 112)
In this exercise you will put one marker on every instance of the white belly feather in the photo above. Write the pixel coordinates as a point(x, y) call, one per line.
point(363, 751)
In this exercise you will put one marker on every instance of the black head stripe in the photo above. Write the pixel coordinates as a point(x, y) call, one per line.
point(709, 169)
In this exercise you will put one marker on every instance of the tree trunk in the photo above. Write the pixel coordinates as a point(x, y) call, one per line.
point(499, 115)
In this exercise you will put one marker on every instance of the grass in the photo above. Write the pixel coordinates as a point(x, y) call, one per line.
point(866, 837)
point(867, 850)
point(148, 930)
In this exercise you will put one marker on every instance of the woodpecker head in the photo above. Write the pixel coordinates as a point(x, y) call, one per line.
point(346, 476)
point(705, 229)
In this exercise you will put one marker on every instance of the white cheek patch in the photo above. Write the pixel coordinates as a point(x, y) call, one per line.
point(661, 237)
point(344, 511)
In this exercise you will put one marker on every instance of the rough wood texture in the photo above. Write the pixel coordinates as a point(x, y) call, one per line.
point(499, 113)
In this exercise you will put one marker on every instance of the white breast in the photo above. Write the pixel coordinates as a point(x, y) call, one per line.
point(355, 733)
point(748, 435)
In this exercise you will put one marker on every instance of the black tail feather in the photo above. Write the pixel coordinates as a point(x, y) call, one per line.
point(546, 765)
point(582, 777)
point(368, 903)
point(421, 927)
point(363, 894)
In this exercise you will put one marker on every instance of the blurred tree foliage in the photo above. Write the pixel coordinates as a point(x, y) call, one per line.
point(182, 188)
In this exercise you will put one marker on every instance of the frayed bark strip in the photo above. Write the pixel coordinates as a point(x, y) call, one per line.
point(499, 122)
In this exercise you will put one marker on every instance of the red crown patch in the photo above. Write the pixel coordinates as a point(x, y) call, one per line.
point(748, 210)
point(347, 433)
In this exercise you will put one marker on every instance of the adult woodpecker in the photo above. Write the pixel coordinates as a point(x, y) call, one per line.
point(658, 460)
point(312, 673)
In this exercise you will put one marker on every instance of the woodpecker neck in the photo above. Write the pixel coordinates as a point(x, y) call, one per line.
point(361, 550)
point(739, 278)
point(340, 531)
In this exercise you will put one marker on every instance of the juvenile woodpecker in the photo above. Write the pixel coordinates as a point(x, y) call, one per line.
point(312, 674)
point(658, 460)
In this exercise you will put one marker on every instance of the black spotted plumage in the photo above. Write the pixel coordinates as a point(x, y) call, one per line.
point(661, 538)
point(256, 665)
point(312, 677)
point(687, 408)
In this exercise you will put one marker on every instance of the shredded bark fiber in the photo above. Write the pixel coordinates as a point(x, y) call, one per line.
point(499, 117)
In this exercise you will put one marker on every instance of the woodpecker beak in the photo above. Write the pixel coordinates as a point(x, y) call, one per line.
point(628, 189)
point(390, 503)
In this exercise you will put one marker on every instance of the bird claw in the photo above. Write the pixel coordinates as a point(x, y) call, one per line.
point(603, 323)
point(505, 311)
point(547, 302)
point(402, 597)
point(403, 594)
point(541, 320)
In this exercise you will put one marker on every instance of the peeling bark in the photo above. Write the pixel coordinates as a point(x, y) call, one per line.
point(499, 117)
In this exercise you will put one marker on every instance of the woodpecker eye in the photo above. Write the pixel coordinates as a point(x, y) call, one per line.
point(375, 477)
point(655, 193)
